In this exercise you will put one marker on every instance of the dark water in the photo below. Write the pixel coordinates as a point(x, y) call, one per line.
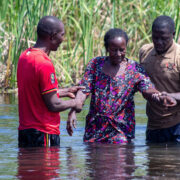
point(77, 160)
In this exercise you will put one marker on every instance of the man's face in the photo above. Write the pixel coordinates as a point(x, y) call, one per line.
point(162, 39)
point(57, 38)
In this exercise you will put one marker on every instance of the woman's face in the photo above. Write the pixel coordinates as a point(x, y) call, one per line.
point(117, 50)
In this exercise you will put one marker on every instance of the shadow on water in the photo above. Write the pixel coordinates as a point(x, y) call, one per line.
point(77, 160)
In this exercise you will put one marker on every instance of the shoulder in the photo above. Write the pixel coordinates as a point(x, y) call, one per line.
point(177, 55)
point(177, 49)
point(96, 60)
point(145, 50)
point(137, 67)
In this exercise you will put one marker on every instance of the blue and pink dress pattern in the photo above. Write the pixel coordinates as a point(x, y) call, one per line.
point(111, 117)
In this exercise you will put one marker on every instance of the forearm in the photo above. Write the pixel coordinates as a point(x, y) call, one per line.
point(81, 96)
point(59, 105)
point(148, 94)
point(55, 104)
point(176, 96)
point(63, 92)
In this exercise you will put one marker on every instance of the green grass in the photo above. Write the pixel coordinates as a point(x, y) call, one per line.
point(86, 22)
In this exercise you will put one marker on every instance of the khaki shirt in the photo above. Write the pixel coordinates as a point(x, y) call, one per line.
point(164, 71)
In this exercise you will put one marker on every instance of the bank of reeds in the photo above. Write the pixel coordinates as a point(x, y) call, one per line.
point(85, 21)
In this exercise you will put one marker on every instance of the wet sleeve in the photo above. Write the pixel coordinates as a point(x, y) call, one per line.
point(47, 78)
point(88, 78)
point(143, 81)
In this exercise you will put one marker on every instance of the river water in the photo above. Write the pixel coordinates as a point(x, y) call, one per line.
point(76, 160)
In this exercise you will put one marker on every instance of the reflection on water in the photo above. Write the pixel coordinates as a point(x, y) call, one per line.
point(38, 163)
point(165, 163)
point(77, 160)
point(106, 162)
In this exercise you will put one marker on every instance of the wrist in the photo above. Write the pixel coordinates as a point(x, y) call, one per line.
point(74, 103)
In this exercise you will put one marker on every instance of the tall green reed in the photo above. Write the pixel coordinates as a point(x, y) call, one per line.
point(86, 22)
point(19, 19)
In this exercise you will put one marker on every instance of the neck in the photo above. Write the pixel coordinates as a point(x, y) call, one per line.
point(43, 46)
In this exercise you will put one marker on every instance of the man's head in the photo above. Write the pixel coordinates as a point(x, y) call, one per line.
point(163, 31)
point(51, 30)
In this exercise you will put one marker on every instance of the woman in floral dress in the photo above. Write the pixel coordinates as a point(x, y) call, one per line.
point(112, 82)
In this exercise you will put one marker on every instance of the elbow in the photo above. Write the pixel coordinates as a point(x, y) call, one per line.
point(52, 107)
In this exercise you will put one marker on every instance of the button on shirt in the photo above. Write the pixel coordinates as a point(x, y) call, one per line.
point(164, 71)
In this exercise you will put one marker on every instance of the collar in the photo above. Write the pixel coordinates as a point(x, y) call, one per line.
point(168, 54)
point(39, 50)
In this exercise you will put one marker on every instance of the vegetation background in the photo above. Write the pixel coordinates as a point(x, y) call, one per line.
point(86, 22)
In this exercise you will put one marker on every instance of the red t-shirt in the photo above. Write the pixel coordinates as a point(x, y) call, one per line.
point(36, 76)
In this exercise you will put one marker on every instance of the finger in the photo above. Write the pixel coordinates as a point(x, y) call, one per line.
point(75, 123)
point(80, 87)
point(71, 95)
point(69, 128)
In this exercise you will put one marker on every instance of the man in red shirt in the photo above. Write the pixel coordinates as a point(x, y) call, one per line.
point(38, 94)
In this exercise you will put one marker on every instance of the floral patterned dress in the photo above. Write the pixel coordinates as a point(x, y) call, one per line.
point(111, 116)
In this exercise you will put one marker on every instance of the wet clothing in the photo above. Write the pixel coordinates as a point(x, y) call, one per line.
point(36, 77)
point(35, 138)
point(111, 117)
point(171, 134)
point(164, 71)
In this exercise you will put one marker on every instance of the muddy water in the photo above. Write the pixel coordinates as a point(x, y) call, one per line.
point(77, 160)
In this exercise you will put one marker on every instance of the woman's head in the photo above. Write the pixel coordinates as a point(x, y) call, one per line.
point(115, 41)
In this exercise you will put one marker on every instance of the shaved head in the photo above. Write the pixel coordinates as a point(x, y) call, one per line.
point(49, 25)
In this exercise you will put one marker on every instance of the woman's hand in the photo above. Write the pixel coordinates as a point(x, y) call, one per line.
point(71, 122)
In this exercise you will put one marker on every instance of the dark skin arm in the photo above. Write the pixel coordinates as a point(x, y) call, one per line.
point(150, 94)
point(161, 99)
point(72, 120)
point(55, 104)
point(69, 92)
point(176, 96)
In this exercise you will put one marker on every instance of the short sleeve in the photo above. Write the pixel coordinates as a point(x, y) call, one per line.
point(143, 82)
point(47, 78)
point(88, 78)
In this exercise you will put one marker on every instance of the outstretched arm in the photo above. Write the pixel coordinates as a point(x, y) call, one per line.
point(176, 96)
point(55, 104)
point(69, 92)
point(158, 97)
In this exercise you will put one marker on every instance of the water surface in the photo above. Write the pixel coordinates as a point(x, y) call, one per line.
point(77, 160)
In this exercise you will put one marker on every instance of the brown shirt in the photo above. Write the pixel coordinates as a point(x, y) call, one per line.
point(164, 71)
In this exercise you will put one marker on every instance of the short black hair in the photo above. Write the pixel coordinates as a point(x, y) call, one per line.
point(47, 26)
point(164, 21)
point(113, 33)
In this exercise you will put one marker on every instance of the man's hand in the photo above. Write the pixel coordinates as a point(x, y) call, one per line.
point(167, 100)
point(71, 122)
point(73, 90)
point(70, 92)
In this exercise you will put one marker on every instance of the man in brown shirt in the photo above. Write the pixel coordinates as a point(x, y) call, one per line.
point(161, 60)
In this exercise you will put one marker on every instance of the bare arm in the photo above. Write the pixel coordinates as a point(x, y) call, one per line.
point(55, 104)
point(69, 92)
point(158, 97)
point(72, 120)
point(176, 96)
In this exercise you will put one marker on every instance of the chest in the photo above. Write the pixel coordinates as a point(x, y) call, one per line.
point(163, 68)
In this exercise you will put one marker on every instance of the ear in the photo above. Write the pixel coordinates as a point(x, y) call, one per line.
point(174, 34)
point(52, 36)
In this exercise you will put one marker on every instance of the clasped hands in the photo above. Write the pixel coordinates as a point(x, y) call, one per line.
point(164, 99)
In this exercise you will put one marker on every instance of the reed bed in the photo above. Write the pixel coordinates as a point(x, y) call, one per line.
point(86, 22)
